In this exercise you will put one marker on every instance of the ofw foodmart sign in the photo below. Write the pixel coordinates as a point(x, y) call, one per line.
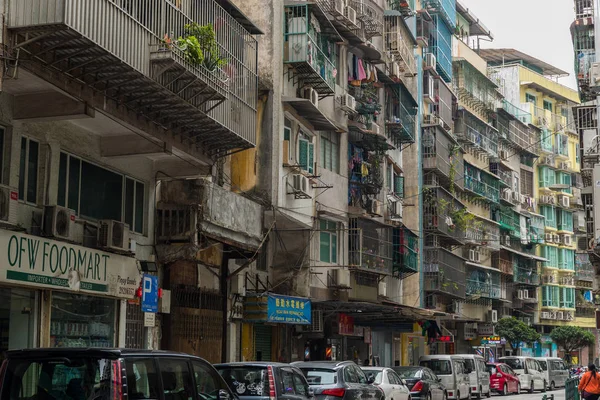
point(35, 261)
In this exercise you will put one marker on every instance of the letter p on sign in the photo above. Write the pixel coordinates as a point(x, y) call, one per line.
point(150, 293)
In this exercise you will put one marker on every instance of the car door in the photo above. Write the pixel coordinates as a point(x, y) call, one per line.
point(208, 383)
point(535, 371)
point(301, 385)
point(435, 387)
point(485, 376)
point(462, 379)
point(354, 390)
point(176, 378)
point(509, 378)
point(400, 391)
point(368, 391)
point(289, 389)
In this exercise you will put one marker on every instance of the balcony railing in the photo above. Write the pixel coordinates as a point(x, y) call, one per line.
point(370, 246)
point(517, 112)
point(303, 51)
point(585, 312)
point(508, 219)
point(503, 263)
point(402, 129)
point(484, 233)
point(439, 207)
point(441, 47)
point(399, 44)
point(441, 154)
point(526, 275)
point(446, 8)
point(482, 137)
point(475, 90)
point(444, 272)
point(113, 46)
point(482, 289)
point(483, 189)
point(371, 15)
point(406, 253)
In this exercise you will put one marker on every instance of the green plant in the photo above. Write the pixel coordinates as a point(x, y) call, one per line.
point(199, 45)
point(516, 331)
point(571, 338)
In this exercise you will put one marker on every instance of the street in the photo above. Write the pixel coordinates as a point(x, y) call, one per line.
point(559, 394)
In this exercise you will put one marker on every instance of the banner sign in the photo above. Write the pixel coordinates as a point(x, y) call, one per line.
point(345, 325)
point(40, 262)
point(289, 310)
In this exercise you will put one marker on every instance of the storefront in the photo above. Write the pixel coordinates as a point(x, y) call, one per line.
point(81, 291)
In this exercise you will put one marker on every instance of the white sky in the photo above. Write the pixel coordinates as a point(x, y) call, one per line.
point(540, 28)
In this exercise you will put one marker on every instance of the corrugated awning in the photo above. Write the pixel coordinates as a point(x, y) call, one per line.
point(307, 110)
point(532, 256)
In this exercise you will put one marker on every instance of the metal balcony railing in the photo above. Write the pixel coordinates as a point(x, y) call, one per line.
point(399, 45)
point(371, 15)
point(441, 47)
point(406, 253)
point(520, 114)
point(482, 137)
point(475, 90)
point(483, 233)
point(370, 246)
point(444, 272)
point(119, 41)
point(504, 265)
point(402, 129)
point(488, 191)
point(585, 312)
point(441, 154)
point(446, 8)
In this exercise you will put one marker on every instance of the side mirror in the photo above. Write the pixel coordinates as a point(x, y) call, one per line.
point(224, 395)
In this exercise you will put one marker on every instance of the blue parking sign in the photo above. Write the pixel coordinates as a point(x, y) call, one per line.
point(150, 294)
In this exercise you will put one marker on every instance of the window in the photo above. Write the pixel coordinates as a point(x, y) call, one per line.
point(564, 220)
point(547, 177)
point(306, 153)
point(527, 182)
point(350, 375)
point(328, 241)
point(318, 376)
point(529, 98)
point(208, 384)
point(550, 214)
point(244, 380)
point(28, 170)
point(287, 134)
point(546, 139)
point(98, 193)
point(550, 253)
point(548, 106)
point(300, 385)
point(330, 151)
point(141, 379)
point(399, 185)
point(176, 378)
point(389, 176)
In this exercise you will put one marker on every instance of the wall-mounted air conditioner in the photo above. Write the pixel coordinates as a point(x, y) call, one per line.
point(493, 316)
point(430, 61)
point(9, 200)
point(113, 235)
point(382, 289)
point(58, 222)
point(311, 94)
point(348, 103)
point(300, 183)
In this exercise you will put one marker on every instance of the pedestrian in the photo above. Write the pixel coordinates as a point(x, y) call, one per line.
point(589, 386)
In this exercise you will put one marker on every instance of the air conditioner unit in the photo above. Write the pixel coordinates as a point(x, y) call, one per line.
point(551, 200)
point(351, 15)
point(545, 315)
point(516, 197)
point(238, 284)
point(396, 209)
point(567, 240)
point(506, 194)
point(471, 255)
point(348, 103)
point(339, 6)
point(504, 154)
point(316, 324)
point(312, 95)
point(568, 315)
point(341, 277)
point(493, 316)
point(300, 183)
point(520, 294)
point(556, 238)
point(524, 199)
point(552, 314)
point(383, 289)
point(565, 202)
point(505, 240)
point(527, 320)
point(113, 235)
point(429, 89)
point(548, 238)
point(375, 207)
point(58, 222)
point(430, 61)
point(9, 200)
point(477, 257)
point(564, 165)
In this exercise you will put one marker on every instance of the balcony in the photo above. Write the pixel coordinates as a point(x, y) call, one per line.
point(404, 7)
point(406, 253)
point(444, 272)
point(585, 312)
point(481, 183)
point(478, 289)
point(117, 53)
point(400, 44)
point(503, 262)
point(508, 220)
point(505, 174)
point(445, 8)
point(474, 133)
point(526, 275)
point(512, 124)
point(442, 155)
point(442, 215)
point(309, 53)
point(483, 233)
point(475, 90)
point(440, 45)
point(401, 123)
point(370, 246)
point(371, 16)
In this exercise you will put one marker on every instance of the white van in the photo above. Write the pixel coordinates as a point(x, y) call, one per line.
point(555, 371)
point(479, 377)
point(451, 370)
point(529, 372)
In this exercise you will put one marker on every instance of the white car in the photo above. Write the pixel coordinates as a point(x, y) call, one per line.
point(387, 380)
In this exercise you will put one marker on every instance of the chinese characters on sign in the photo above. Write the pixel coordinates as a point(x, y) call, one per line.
point(288, 310)
point(492, 340)
point(345, 324)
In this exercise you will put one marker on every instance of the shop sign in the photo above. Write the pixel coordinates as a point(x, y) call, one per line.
point(149, 320)
point(40, 262)
point(493, 340)
point(367, 335)
point(345, 324)
point(289, 310)
point(150, 294)
point(359, 330)
point(546, 339)
point(485, 329)
point(444, 339)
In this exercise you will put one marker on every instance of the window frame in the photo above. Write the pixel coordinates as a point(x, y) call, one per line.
point(529, 97)
point(548, 103)
point(123, 193)
point(310, 146)
point(330, 231)
point(25, 173)
point(330, 140)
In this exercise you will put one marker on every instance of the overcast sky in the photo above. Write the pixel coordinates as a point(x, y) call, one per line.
point(536, 27)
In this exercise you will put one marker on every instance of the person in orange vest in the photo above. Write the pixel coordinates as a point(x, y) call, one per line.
point(589, 385)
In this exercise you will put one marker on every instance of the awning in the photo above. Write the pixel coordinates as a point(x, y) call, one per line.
point(532, 256)
point(307, 110)
point(368, 52)
point(472, 264)
point(370, 140)
point(546, 91)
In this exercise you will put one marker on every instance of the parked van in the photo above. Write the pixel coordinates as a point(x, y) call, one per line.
point(451, 370)
point(529, 372)
point(555, 371)
point(479, 377)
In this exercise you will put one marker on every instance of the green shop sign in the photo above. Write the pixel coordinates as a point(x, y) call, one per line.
point(35, 261)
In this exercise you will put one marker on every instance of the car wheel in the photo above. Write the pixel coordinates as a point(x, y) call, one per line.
point(429, 396)
point(544, 387)
point(530, 387)
point(518, 388)
point(489, 393)
point(504, 391)
point(552, 386)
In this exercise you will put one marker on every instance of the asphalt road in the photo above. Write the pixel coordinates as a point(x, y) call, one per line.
point(559, 394)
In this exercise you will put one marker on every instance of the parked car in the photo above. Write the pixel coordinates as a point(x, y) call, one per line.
point(503, 379)
point(116, 374)
point(529, 372)
point(422, 382)
point(342, 379)
point(264, 380)
point(555, 371)
point(385, 378)
point(479, 377)
point(451, 369)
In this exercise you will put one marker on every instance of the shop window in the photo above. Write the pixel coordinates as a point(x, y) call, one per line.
point(330, 151)
point(98, 193)
point(82, 321)
point(176, 378)
point(142, 381)
point(28, 170)
point(328, 241)
point(16, 327)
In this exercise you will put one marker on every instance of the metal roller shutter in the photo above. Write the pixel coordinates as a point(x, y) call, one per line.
point(262, 342)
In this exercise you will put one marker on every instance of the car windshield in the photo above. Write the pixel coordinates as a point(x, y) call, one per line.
point(376, 374)
point(440, 367)
point(491, 368)
point(407, 373)
point(246, 380)
point(514, 363)
point(544, 365)
point(469, 366)
point(73, 378)
point(320, 376)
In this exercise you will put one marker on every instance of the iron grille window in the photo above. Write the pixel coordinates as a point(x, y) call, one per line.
point(526, 182)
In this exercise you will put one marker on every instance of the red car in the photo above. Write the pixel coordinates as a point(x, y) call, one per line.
point(503, 379)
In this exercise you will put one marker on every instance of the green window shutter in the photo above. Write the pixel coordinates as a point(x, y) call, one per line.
point(399, 186)
point(323, 151)
point(286, 133)
point(335, 156)
point(303, 154)
point(334, 248)
point(389, 177)
point(311, 158)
